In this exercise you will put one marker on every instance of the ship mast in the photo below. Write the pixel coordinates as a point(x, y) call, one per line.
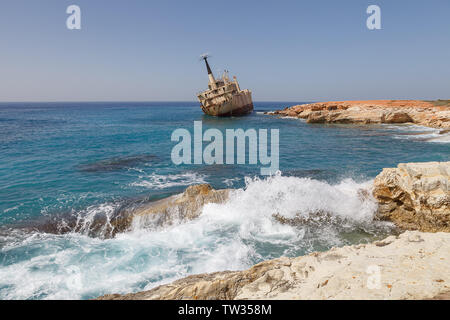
point(212, 80)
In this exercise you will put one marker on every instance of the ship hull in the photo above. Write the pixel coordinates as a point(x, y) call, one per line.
point(240, 105)
point(218, 111)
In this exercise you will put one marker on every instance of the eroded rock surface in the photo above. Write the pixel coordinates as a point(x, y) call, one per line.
point(413, 265)
point(181, 207)
point(424, 113)
point(415, 196)
point(107, 222)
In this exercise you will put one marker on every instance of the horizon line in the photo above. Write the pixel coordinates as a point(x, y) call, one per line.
point(133, 101)
point(194, 101)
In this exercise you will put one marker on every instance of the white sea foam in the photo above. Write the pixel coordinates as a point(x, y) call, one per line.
point(440, 138)
point(420, 133)
point(291, 196)
point(85, 220)
point(12, 208)
point(229, 236)
point(156, 181)
point(409, 127)
point(229, 182)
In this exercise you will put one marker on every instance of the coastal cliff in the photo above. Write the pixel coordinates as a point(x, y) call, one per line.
point(413, 265)
point(435, 114)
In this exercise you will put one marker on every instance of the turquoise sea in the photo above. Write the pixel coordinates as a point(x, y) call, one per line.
point(88, 160)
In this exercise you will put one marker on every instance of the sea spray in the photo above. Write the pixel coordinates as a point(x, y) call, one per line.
point(229, 236)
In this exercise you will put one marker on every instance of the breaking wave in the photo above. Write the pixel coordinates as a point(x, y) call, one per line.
point(277, 216)
point(419, 133)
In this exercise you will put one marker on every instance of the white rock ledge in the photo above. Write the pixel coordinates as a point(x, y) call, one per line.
point(414, 265)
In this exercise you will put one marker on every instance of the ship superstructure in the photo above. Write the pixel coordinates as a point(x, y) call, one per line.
point(224, 98)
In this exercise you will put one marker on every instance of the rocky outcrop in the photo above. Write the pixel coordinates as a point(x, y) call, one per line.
point(181, 207)
point(413, 265)
point(108, 222)
point(430, 114)
point(415, 196)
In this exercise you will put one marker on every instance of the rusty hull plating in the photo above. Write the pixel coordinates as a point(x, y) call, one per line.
point(224, 98)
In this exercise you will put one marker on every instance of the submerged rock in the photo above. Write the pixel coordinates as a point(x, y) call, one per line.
point(415, 196)
point(413, 265)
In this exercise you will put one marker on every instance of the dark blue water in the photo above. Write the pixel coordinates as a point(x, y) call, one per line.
point(85, 158)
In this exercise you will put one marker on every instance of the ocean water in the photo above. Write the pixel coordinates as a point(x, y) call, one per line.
point(88, 160)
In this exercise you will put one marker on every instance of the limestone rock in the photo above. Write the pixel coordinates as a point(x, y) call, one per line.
point(177, 208)
point(181, 207)
point(397, 117)
point(413, 265)
point(415, 196)
point(372, 111)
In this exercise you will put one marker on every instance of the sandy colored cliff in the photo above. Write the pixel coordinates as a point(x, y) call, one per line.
point(435, 114)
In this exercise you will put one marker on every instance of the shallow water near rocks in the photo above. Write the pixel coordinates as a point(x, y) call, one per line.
point(91, 159)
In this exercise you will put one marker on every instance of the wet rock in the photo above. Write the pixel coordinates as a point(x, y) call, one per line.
point(140, 213)
point(311, 219)
point(177, 208)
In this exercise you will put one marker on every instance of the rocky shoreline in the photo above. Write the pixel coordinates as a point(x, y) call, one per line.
point(434, 114)
point(413, 265)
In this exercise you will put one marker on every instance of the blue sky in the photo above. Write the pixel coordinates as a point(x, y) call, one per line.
point(282, 50)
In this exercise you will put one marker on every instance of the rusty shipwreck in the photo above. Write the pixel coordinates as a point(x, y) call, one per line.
point(224, 98)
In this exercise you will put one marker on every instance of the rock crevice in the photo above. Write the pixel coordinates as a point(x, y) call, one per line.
point(415, 196)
